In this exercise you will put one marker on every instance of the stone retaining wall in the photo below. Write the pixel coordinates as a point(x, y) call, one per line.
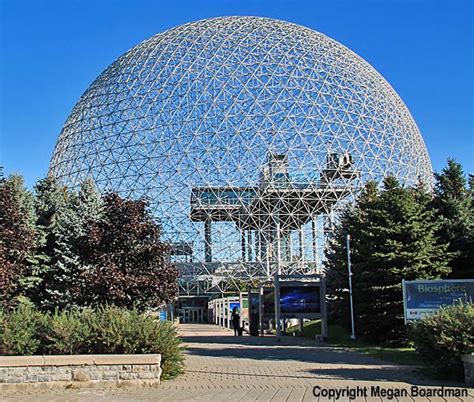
point(468, 361)
point(23, 372)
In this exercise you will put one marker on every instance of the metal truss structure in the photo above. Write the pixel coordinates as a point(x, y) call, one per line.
point(245, 133)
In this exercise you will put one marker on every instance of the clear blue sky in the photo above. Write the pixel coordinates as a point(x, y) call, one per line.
point(50, 51)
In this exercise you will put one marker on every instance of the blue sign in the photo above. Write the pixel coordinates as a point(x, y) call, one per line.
point(234, 304)
point(422, 298)
point(163, 315)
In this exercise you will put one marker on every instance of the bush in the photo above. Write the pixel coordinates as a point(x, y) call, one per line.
point(21, 331)
point(442, 338)
point(167, 341)
point(106, 330)
point(66, 334)
point(117, 330)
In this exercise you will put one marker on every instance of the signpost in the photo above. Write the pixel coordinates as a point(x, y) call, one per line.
point(424, 297)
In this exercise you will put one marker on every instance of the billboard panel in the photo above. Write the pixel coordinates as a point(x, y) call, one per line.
point(298, 300)
point(426, 296)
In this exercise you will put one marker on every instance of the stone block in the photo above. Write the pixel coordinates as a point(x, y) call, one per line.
point(129, 359)
point(81, 376)
point(61, 377)
point(17, 372)
point(126, 375)
point(44, 378)
point(35, 369)
point(68, 360)
point(13, 380)
point(95, 375)
point(110, 375)
point(61, 370)
point(137, 368)
point(32, 378)
point(146, 376)
point(21, 361)
point(113, 367)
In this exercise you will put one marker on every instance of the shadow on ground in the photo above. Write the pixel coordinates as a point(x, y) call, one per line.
point(336, 363)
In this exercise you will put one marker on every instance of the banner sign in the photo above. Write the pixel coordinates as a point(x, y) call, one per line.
point(421, 298)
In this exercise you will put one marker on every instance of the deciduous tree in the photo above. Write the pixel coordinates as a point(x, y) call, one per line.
point(128, 262)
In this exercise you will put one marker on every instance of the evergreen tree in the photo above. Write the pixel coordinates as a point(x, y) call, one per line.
point(86, 206)
point(18, 236)
point(351, 221)
point(454, 207)
point(393, 237)
point(63, 217)
point(127, 262)
point(51, 200)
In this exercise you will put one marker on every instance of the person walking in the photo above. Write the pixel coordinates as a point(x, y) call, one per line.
point(235, 321)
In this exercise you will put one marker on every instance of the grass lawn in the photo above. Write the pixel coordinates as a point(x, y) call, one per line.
point(339, 337)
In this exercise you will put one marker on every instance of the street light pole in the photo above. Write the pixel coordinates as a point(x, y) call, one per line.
point(348, 238)
point(277, 285)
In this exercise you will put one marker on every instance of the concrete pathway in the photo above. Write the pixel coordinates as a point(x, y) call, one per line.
point(221, 367)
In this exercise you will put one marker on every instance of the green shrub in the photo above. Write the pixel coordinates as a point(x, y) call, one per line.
point(66, 333)
point(167, 342)
point(21, 331)
point(105, 330)
point(117, 330)
point(442, 338)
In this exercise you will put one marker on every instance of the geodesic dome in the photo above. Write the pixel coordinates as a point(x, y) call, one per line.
point(245, 133)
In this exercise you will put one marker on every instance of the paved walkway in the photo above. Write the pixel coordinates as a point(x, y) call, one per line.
point(222, 367)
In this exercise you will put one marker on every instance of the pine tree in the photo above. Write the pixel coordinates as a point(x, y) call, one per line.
point(86, 208)
point(454, 207)
point(351, 222)
point(393, 237)
point(18, 236)
point(63, 217)
point(51, 205)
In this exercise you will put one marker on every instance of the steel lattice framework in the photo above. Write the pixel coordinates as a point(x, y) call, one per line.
point(245, 133)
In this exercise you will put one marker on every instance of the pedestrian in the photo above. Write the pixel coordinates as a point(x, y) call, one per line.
point(235, 321)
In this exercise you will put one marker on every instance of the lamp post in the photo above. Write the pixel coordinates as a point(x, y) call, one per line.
point(348, 238)
point(277, 285)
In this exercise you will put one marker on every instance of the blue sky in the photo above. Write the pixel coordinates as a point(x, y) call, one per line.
point(50, 51)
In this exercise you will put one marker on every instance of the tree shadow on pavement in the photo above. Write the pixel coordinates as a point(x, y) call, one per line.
point(335, 363)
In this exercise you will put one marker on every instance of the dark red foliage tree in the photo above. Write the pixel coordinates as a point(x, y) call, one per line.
point(128, 262)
